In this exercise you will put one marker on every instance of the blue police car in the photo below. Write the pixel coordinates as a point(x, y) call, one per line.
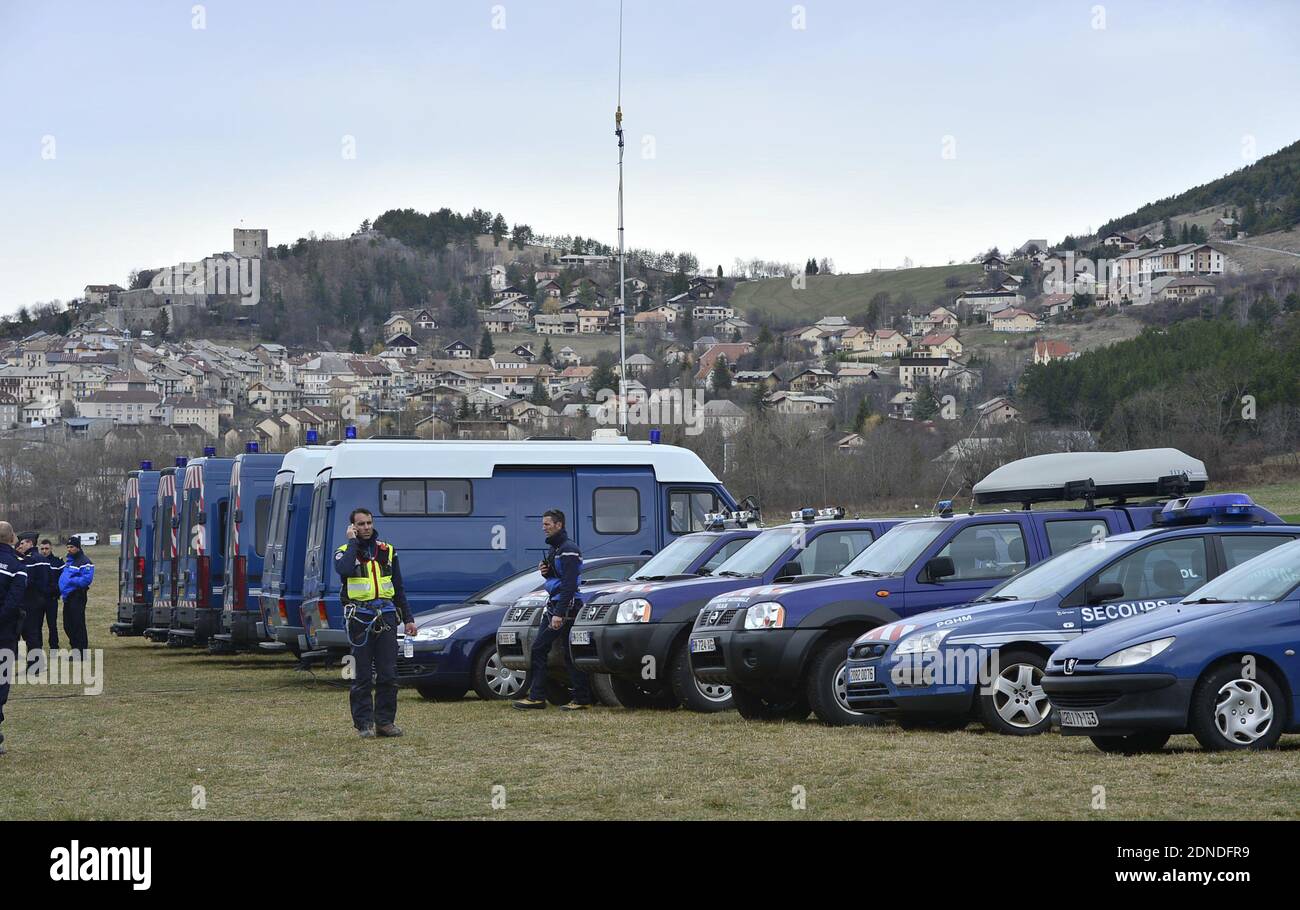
point(1221, 664)
point(988, 657)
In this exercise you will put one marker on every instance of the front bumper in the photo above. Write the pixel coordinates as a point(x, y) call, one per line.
point(753, 658)
point(877, 691)
point(621, 648)
point(442, 663)
point(1121, 703)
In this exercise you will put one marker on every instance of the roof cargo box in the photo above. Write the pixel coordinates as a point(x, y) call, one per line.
point(1087, 475)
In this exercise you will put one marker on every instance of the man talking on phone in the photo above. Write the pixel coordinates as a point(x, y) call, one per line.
point(562, 568)
point(373, 598)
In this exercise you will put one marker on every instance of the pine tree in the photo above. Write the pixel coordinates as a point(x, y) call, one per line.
point(863, 415)
point(356, 344)
point(721, 375)
point(548, 354)
point(485, 346)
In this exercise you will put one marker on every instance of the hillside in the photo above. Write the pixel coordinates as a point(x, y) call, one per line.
point(849, 295)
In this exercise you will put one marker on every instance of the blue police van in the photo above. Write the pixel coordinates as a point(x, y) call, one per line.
point(638, 632)
point(135, 563)
point(286, 546)
point(690, 556)
point(248, 527)
point(166, 546)
point(784, 651)
point(203, 508)
point(1220, 664)
point(986, 658)
point(454, 650)
point(463, 514)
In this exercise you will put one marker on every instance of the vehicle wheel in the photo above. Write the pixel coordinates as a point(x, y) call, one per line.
point(1133, 744)
point(494, 682)
point(945, 723)
point(692, 693)
point(752, 706)
point(603, 689)
point(440, 693)
point(1230, 711)
point(827, 686)
point(1017, 704)
point(631, 695)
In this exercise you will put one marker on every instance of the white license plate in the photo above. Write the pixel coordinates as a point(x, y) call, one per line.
point(862, 674)
point(507, 638)
point(1079, 719)
point(580, 637)
point(703, 645)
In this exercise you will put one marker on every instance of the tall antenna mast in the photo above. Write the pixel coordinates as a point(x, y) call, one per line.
point(622, 280)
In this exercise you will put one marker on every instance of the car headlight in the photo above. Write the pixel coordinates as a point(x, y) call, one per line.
point(922, 642)
point(767, 615)
point(1136, 654)
point(634, 610)
point(440, 633)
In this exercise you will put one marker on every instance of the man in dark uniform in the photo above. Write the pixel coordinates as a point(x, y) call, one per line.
point(562, 569)
point(373, 597)
point(13, 584)
point(52, 593)
point(37, 594)
point(74, 584)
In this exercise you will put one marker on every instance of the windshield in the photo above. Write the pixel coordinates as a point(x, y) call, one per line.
point(1266, 578)
point(757, 556)
point(896, 549)
point(509, 590)
point(675, 558)
point(1052, 574)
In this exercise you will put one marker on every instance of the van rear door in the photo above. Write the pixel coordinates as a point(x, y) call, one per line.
point(616, 512)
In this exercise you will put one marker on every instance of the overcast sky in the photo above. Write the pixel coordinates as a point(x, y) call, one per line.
point(858, 130)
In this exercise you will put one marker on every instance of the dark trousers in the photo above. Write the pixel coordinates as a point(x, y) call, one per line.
point(52, 619)
point(33, 625)
point(376, 658)
point(540, 655)
point(8, 665)
point(74, 621)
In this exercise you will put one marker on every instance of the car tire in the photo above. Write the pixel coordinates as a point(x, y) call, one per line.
point(440, 693)
point(753, 706)
point(602, 689)
point(1133, 744)
point(493, 682)
point(1017, 704)
point(691, 693)
point(826, 688)
point(631, 695)
point(938, 723)
point(1231, 712)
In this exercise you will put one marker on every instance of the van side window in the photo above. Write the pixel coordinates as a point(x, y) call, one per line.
point(1237, 548)
point(616, 510)
point(687, 509)
point(1171, 569)
point(262, 513)
point(986, 551)
point(1069, 533)
point(425, 497)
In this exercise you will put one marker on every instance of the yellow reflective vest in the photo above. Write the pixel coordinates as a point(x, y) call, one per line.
point(376, 579)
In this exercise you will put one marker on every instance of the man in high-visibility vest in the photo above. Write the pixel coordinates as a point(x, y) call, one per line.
point(373, 599)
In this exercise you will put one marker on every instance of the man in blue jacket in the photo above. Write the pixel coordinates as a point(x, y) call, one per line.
point(13, 584)
point(52, 592)
point(562, 569)
point(37, 594)
point(74, 584)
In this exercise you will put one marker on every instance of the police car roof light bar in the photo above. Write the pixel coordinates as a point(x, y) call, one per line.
point(209, 451)
point(944, 508)
point(312, 436)
point(146, 466)
point(350, 432)
point(181, 460)
point(250, 448)
point(1219, 508)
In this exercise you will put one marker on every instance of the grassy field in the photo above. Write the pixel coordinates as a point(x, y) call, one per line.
point(265, 741)
point(846, 295)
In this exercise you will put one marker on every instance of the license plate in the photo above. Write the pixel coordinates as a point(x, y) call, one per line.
point(580, 637)
point(703, 645)
point(507, 638)
point(862, 674)
point(1079, 718)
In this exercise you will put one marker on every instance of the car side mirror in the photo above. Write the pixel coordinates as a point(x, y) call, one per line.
point(1105, 591)
point(939, 567)
point(790, 569)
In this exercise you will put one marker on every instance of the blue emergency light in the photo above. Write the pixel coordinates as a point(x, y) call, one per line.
point(312, 437)
point(944, 508)
point(1215, 509)
point(146, 466)
point(181, 460)
point(655, 436)
point(209, 451)
point(350, 433)
point(250, 448)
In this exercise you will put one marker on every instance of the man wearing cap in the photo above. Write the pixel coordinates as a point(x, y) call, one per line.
point(36, 596)
point(13, 584)
point(74, 584)
point(52, 591)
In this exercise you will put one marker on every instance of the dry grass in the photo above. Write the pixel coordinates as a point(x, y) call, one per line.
point(267, 742)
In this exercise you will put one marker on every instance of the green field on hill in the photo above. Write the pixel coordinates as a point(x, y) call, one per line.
point(847, 295)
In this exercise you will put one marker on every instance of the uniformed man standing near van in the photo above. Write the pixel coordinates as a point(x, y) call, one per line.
point(562, 568)
point(37, 594)
point(75, 579)
point(373, 598)
point(13, 584)
point(52, 594)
